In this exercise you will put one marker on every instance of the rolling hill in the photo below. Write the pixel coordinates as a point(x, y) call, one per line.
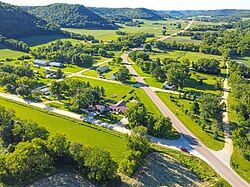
point(69, 16)
point(126, 14)
point(16, 23)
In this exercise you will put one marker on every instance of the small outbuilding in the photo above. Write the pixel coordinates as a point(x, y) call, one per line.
point(168, 86)
point(56, 64)
point(102, 69)
point(40, 63)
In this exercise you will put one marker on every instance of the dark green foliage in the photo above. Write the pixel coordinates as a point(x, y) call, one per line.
point(162, 127)
point(70, 16)
point(14, 44)
point(100, 167)
point(16, 23)
point(123, 74)
point(126, 14)
point(209, 66)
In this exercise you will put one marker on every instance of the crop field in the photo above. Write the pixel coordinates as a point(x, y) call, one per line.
point(205, 137)
point(9, 53)
point(198, 23)
point(183, 39)
point(181, 55)
point(84, 133)
point(154, 27)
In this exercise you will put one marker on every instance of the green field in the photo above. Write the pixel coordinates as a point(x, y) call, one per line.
point(205, 137)
point(181, 55)
point(9, 53)
point(147, 27)
point(89, 135)
point(183, 39)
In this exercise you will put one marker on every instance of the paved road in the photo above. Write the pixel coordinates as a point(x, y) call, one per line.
point(175, 34)
point(226, 172)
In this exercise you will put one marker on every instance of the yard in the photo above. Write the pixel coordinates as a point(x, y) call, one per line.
point(89, 135)
point(205, 137)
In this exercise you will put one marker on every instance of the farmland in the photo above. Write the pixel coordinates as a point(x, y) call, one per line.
point(9, 53)
point(75, 131)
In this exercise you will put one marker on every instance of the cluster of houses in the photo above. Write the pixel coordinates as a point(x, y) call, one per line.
point(38, 63)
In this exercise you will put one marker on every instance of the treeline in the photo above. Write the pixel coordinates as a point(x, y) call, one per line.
point(211, 27)
point(31, 153)
point(19, 80)
point(240, 90)
point(14, 44)
point(227, 43)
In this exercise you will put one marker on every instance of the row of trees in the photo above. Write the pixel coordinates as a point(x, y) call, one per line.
point(209, 66)
point(32, 153)
point(240, 90)
point(14, 44)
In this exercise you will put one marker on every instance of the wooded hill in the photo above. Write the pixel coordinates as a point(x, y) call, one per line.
point(126, 14)
point(16, 23)
point(70, 16)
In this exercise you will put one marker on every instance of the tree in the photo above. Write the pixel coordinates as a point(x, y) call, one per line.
point(128, 165)
point(138, 115)
point(147, 47)
point(164, 31)
point(58, 88)
point(58, 147)
point(26, 131)
point(59, 74)
point(29, 161)
point(23, 90)
point(159, 74)
point(162, 127)
point(177, 75)
point(195, 108)
point(100, 166)
point(123, 74)
point(85, 99)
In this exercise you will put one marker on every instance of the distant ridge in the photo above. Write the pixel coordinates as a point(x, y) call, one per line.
point(70, 16)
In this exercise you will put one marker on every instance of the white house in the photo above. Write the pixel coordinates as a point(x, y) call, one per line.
point(40, 63)
point(168, 86)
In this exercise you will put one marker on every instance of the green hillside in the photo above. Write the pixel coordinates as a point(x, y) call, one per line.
point(69, 16)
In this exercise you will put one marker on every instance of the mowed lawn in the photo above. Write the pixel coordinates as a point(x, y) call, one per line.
point(9, 53)
point(89, 135)
point(206, 138)
point(183, 39)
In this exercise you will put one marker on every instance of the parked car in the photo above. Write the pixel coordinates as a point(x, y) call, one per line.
point(183, 149)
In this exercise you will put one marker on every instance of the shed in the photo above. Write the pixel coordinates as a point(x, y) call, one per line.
point(56, 64)
point(102, 69)
point(40, 62)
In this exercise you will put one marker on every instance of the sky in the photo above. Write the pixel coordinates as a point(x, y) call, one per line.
point(151, 4)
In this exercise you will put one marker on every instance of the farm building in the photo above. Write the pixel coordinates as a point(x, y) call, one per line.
point(102, 69)
point(56, 64)
point(40, 63)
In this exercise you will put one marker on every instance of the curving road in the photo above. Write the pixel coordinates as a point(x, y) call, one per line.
point(225, 171)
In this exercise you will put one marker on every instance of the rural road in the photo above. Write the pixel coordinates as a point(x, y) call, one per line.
point(225, 171)
point(176, 33)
